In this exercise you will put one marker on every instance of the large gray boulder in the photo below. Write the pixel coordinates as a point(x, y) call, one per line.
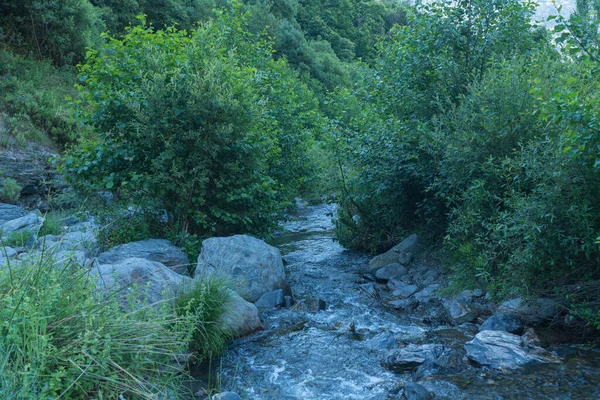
point(414, 391)
point(504, 351)
point(30, 222)
point(155, 282)
point(534, 312)
point(240, 317)
point(460, 310)
point(158, 250)
point(398, 254)
point(391, 271)
point(503, 322)
point(8, 212)
point(251, 266)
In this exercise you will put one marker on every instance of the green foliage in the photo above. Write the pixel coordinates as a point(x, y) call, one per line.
point(61, 338)
point(58, 30)
point(120, 227)
point(11, 190)
point(32, 105)
point(204, 303)
point(18, 238)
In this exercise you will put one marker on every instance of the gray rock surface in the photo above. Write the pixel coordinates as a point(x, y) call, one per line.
point(226, 396)
point(460, 310)
point(390, 272)
point(404, 290)
point(240, 317)
point(155, 281)
point(414, 391)
point(8, 212)
point(411, 356)
point(395, 254)
point(272, 299)
point(252, 266)
point(534, 312)
point(30, 222)
point(503, 350)
point(158, 250)
point(503, 322)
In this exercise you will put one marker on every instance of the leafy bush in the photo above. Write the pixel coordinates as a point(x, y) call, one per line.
point(18, 238)
point(11, 190)
point(60, 339)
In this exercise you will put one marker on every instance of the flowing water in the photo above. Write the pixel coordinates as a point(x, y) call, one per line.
point(333, 350)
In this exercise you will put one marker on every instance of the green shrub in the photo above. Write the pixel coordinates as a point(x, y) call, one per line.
point(119, 227)
point(60, 339)
point(18, 238)
point(204, 302)
point(11, 190)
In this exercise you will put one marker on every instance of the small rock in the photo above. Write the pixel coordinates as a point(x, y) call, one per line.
point(272, 299)
point(409, 245)
point(288, 301)
point(226, 396)
point(461, 311)
point(240, 317)
point(403, 304)
point(390, 272)
point(404, 290)
point(414, 391)
point(428, 293)
point(368, 288)
point(466, 295)
point(405, 258)
point(477, 292)
point(530, 338)
point(411, 356)
point(503, 322)
point(383, 340)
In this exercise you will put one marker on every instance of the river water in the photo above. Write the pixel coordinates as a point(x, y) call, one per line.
point(334, 350)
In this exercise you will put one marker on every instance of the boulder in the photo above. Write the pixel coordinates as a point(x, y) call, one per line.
point(154, 280)
point(272, 299)
point(503, 322)
point(240, 317)
point(80, 241)
point(427, 293)
point(30, 222)
point(414, 391)
point(158, 250)
point(503, 350)
point(396, 254)
point(252, 266)
point(411, 356)
point(533, 312)
point(383, 340)
point(390, 272)
point(460, 310)
point(8, 212)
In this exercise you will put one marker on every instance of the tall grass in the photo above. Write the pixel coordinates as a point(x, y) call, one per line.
point(61, 339)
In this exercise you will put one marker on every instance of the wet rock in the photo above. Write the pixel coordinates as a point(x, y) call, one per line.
point(427, 293)
point(404, 290)
point(240, 317)
point(503, 322)
point(314, 304)
point(369, 288)
point(414, 391)
point(30, 222)
point(530, 338)
point(158, 250)
point(383, 340)
point(409, 245)
point(154, 280)
point(403, 304)
point(390, 272)
point(8, 212)
point(288, 301)
point(226, 396)
point(272, 299)
point(411, 356)
point(503, 350)
point(253, 266)
point(533, 312)
point(460, 310)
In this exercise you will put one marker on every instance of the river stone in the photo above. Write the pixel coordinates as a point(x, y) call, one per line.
point(251, 265)
point(503, 350)
point(460, 310)
point(30, 222)
point(383, 340)
point(390, 272)
point(427, 293)
point(8, 212)
point(155, 281)
point(80, 241)
point(226, 396)
point(411, 356)
point(272, 299)
point(534, 312)
point(503, 322)
point(159, 250)
point(392, 256)
point(414, 391)
point(404, 304)
point(404, 290)
point(240, 317)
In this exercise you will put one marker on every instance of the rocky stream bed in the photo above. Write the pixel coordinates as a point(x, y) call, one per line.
point(352, 336)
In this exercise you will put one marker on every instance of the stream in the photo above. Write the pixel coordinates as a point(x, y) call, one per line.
point(331, 343)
